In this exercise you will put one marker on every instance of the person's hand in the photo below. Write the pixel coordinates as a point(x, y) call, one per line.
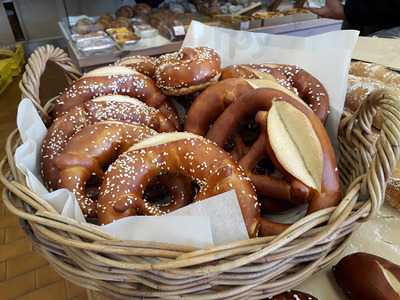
point(333, 9)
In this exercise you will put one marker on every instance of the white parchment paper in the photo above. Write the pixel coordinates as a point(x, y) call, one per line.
point(326, 56)
point(200, 224)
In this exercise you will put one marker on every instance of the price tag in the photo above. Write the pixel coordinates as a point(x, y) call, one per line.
point(179, 30)
point(245, 25)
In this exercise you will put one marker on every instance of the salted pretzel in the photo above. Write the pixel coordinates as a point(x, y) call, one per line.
point(187, 71)
point(209, 105)
point(119, 108)
point(374, 71)
point(143, 64)
point(171, 153)
point(308, 88)
point(326, 192)
point(90, 151)
point(112, 80)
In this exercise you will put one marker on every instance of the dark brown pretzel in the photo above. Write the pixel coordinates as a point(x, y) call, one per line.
point(106, 81)
point(293, 295)
point(262, 100)
point(380, 279)
point(209, 105)
point(187, 71)
point(292, 191)
point(309, 88)
point(175, 153)
point(90, 151)
point(119, 108)
point(143, 64)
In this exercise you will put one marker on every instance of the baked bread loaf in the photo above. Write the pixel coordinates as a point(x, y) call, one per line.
point(368, 277)
point(358, 89)
point(141, 9)
point(125, 11)
point(378, 72)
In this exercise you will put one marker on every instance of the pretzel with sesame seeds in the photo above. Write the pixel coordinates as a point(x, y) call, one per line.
point(306, 86)
point(174, 153)
point(106, 108)
point(324, 194)
point(114, 80)
point(143, 64)
point(187, 71)
point(212, 102)
point(89, 152)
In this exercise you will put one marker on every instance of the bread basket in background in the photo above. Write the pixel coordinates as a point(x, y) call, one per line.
point(251, 269)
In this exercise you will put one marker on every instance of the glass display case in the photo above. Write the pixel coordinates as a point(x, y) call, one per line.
point(102, 31)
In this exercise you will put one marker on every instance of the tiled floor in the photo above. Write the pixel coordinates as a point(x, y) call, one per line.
point(24, 275)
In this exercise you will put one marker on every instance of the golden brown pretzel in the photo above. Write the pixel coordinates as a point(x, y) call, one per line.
point(119, 108)
point(143, 64)
point(309, 88)
point(291, 189)
point(90, 151)
point(262, 100)
point(212, 102)
point(106, 81)
point(187, 71)
point(176, 153)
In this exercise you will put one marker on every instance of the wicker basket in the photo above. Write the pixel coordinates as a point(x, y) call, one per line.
point(250, 269)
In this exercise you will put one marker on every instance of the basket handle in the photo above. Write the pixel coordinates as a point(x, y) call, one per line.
point(373, 155)
point(35, 67)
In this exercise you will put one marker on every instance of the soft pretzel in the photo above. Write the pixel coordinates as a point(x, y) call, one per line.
point(274, 188)
point(308, 88)
point(293, 295)
point(120, 108)
point(111, 80)
point(187, 71)
point(143, 64)
point(183, 153)
point(379, 280)
point(207, 107)
point(374, 71)
point(328, 194)
point(90, 151)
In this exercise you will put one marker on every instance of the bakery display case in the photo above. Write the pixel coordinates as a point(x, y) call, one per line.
point(98, 36)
